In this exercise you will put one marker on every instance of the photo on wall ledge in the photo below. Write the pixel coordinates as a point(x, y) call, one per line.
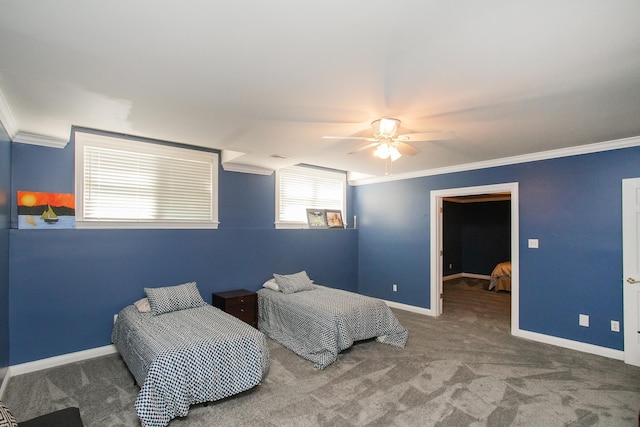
point(334, 218)
point(38, 210)
point(316, 218)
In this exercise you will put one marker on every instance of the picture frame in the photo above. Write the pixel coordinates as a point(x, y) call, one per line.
point(333, 218)
point(316, 218)
point(39, 210)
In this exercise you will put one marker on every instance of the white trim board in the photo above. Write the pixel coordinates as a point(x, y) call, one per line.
point(411, 308)
point(435, 285)
point(52, 362)
point(571, 345)
point(534, 336)
point(469, 275)
point(505, 161)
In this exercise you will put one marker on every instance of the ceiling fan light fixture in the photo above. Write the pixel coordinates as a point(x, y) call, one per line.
point(385, 127)
point(394, 154)
point(382, 152)
point(387, 150)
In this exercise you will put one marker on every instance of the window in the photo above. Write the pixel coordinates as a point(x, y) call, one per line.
point(299, 188)
point(125, 183)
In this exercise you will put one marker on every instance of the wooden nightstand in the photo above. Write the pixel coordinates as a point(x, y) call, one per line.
point(240, 303)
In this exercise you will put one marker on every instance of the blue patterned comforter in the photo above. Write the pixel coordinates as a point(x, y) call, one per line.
point(318, 324)
point(186, 357)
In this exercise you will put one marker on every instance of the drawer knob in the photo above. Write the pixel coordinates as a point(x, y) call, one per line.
point(242, 310)
point(241, 300)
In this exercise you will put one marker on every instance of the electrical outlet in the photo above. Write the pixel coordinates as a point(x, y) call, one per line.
point(395, 288)
point(583, 320)
point(615, 326)
point(115, 317)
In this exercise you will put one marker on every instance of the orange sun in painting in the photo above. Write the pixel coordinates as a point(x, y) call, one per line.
point(28, 199)
point(34, 198)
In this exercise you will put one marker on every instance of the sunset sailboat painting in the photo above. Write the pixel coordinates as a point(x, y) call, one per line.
point(46, 210)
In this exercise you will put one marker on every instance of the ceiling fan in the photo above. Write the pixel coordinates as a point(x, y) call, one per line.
point(388, 144)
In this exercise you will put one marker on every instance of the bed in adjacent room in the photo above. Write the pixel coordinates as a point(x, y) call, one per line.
point(317, 322)
point(182, 351)
point(501, 277)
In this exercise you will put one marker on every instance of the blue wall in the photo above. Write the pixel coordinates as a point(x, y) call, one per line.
point(573, 205)
point(5, 188)
point(66, 285)
point(475, 236)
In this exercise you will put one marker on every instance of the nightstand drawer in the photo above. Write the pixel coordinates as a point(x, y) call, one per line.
point(244, 312)
point(240, 303)
point(242, 300)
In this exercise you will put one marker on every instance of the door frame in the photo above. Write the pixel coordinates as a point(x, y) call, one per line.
point(436, 199)
point(629, 267)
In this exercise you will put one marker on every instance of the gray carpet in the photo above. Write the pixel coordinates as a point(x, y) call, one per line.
point(462, 369)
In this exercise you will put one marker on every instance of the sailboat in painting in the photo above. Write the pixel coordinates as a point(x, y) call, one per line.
point(49, 216)
point(45, 210)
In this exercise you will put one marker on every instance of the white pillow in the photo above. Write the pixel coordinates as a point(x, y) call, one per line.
point(174, 298)
point(290, 283)
point(271, 284)
point(143, 305)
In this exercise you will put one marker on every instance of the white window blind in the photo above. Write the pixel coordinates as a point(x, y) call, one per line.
point(121, 182)
point(299, 188)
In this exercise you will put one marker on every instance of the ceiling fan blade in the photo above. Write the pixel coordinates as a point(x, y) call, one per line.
point(364, 147)
point(426, 136)
point(349, 137)
point(407, 149)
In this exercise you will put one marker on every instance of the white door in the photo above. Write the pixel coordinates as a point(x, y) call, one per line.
point(631, 268)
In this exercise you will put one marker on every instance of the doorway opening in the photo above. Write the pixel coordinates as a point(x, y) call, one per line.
point(437, 200)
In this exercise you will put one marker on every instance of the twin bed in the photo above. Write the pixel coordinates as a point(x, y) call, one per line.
point(501, 277)
point(317, 322)
point(182, 351)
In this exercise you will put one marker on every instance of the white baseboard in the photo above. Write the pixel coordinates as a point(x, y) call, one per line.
point(411, 308)
point(477, 276)
point(470, 275)
point(64, 359)
point(534, 336)
point(572, 345)
point(5, 381)
point(51, 362)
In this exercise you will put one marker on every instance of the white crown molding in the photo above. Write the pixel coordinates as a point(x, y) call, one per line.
point(505, 161)
point(237, 167)
point(43, 140)
point(8, 120)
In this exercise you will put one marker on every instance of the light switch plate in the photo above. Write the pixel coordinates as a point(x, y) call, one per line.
point(583, 320)
point(615, 326)
point(533, 243)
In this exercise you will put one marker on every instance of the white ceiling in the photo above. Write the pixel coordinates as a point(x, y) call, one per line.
point(257, 79)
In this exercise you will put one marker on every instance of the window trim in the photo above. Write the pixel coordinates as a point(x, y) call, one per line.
point(83, 139)
point(312, 172)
